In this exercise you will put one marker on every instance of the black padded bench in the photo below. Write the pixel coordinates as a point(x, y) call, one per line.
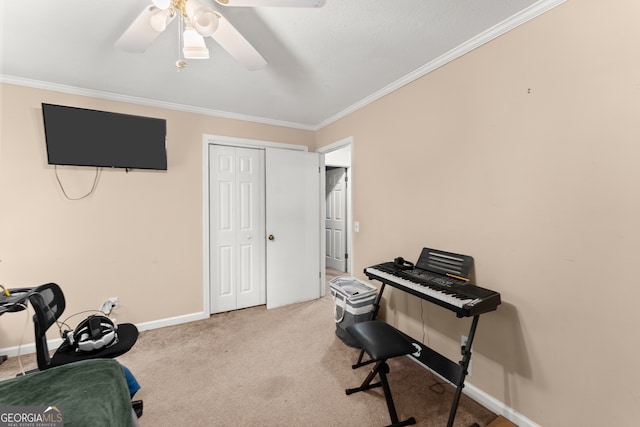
point(381, 342)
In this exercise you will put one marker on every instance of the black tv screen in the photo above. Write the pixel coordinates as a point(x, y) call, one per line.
point(83, 137)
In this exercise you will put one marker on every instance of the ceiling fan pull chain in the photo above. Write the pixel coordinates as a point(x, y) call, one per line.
point(180, 63)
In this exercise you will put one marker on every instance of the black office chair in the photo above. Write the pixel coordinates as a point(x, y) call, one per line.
point(381, 342)
point(48, 304)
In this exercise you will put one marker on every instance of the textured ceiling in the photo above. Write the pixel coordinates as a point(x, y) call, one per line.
point(321, 63)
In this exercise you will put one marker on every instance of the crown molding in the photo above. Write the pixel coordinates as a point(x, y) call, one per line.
point(39, 84)
point(497, 30)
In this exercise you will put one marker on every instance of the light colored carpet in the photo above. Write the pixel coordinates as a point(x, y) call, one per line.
point(279, 367)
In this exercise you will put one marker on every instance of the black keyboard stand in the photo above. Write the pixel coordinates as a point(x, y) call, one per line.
point(448, 369)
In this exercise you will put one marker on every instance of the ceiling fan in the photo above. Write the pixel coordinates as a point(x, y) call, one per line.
point(199, 19)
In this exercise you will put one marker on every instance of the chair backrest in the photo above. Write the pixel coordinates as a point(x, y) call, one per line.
point(48, 304)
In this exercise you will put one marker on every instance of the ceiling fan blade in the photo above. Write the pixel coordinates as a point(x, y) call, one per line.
point(273, 3)
point(237, 46)
point(141, 33)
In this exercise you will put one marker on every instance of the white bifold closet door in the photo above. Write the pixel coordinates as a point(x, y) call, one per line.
point(293, 226)
point(237, 228)
point(265, 227)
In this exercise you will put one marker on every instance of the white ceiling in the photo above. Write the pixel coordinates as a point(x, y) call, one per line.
point(321, 63)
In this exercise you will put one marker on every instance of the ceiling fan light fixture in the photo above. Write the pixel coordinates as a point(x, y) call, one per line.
point(194, 46)
point(205, 21)
point(159, 20)
point(203, 18)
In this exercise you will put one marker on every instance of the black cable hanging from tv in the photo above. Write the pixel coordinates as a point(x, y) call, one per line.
point(93, 187)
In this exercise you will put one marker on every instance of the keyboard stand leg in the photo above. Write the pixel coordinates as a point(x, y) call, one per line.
point(464, 366)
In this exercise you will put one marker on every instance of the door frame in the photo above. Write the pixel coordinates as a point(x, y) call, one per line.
point(209, 139)
point(338, 145)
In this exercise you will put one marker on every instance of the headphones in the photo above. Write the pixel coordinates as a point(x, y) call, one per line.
point(93, 333)
point(402, 264)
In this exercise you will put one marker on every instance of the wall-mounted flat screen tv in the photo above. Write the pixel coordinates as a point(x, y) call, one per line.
point(83, 137)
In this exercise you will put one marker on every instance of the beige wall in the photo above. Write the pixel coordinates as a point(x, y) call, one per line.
point(525, 154)
point(138, 237)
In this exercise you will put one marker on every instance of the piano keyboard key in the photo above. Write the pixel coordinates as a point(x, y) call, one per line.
point(448, 296)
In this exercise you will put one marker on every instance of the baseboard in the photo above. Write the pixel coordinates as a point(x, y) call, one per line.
point(496, 406)
point(172, 321)
point(24, 349)
point(144, 326)
point(488, 401)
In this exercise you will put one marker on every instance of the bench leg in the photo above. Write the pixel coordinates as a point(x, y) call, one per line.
point(382, 369)
point(366, 384)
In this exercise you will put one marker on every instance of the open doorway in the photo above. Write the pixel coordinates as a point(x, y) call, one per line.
point(338, 237)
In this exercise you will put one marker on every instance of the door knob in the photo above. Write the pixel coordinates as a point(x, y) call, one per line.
point(271, 237)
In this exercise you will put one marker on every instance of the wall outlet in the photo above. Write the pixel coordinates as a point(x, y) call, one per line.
point(110, 304)
point(463, 343)
point(114, 301)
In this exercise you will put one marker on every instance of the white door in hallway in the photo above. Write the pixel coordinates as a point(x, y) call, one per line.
point(336, 219)
point(293, 226)
point(237, 227)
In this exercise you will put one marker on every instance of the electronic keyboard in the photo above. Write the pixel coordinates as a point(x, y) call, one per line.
point(439, 277)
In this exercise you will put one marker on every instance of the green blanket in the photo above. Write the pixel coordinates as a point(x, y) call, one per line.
point(90, 393)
